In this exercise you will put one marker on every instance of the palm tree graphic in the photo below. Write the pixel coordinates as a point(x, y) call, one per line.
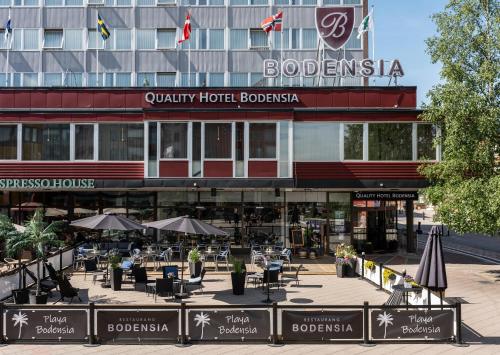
point(20, 319)
point(202, 319)
point(385, 319)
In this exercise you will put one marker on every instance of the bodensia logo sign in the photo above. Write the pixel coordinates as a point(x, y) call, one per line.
point(335, 25)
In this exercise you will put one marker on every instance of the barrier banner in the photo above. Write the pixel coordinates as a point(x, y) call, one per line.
point(139, 326)
point(46, 324)
point(412, 324)
point(317, 325)
point(229, 325)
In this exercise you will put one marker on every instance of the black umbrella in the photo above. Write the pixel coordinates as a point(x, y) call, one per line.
point(186, 225)
point(107, 222)
point(431, 272)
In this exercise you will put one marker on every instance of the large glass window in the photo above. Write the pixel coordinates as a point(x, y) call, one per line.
point(121, 142)
point(73, 39)
point(53, 39)
point(238, 39)
point(145, 39)
point(390, 141)
point(284, 149)
point(84, 142)
point(174, 140)
point(8, 142)
point(165, 79)
point(120, 40)
point(353, 141)
point(258, 38)
point(218, 140)
point(316, 141)
point(425, 142)
point(46, 142)
point(262, 141)
point(166, 38)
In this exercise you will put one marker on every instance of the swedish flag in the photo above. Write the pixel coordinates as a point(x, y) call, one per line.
point(102, 29)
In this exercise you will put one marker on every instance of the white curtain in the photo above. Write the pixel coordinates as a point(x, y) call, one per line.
point(73, 39)
point(31, 39)
point(238, 39)
point(145, 39)
point(123, 38)
point(30, 79)
point(165, 79)
point(216, 39)
point(52, 79)
point(318, 141)
point(166, 38)
point(122, 79)
point(258, 38)
point(94, 39)
point(184, 79)
point(238, 79)
point(309, 38)
point(216, 79)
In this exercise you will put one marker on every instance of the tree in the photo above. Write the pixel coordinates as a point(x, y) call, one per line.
point(41, 235)
point(465, 185)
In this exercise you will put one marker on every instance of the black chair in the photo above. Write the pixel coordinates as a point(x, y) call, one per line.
point(293, 278)
point(66, 290)
point(273, 277)
point(163, 287)
point(174, 270)
point(45, 285)
point(195, 283)
point(141, 278)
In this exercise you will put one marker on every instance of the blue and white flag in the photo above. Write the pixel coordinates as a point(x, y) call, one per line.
point(8, 29)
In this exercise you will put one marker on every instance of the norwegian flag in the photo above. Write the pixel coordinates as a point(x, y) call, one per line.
point(186, 32)
point(272, 23)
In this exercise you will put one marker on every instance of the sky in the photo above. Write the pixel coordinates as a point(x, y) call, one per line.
point(401, 28)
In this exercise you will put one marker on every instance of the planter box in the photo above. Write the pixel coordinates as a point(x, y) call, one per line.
point(238, 281)
point(116, 279)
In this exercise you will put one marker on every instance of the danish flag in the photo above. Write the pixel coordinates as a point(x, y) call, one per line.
point(272, 23)
point(186, 32)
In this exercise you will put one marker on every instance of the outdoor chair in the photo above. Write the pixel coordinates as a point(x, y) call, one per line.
point(163, 286)
point(273, 277)
point(292, 278)
point(46, 285)
point(140, 278)
point(174, 270)
point(286, 256)
point(165, 256)
point(195, 283)
point(66, 290)
point(177, 249)
point(90, 266)
point(222, 257)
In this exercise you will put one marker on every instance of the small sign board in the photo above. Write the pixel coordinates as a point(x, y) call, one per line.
point(47, 324)
point(412, 324)
point(138, 326)
point(232, 325)
point(317, 325)
point(385, 195)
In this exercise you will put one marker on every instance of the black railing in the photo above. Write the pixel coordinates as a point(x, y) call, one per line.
point(94, 324)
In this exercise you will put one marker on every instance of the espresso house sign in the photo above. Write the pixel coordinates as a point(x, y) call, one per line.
point(314, 325)
point(137, 326)
point(49, 184)
point(50, 325)
point(424, 325)
point(232, 325)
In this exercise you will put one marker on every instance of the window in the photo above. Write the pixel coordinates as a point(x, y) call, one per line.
point(188, 79)
point(84, 142)
point(146, 2)
point(52, 79)
point(145, 39)
point(309, 38)
point(258, 38)
point(110, 79)
point(63, 3)
point(354, 42)
point(118, 3)
point(52, 39)
point(167, 38)
point(25, 39)
point(353, 141)
point(122, 79)
point(238, 79)
point(257, 79)
point(73, 39)
point(318, 141)
point(165, 79)
point(45, 142)
point(216, 79)
point(390, 141)
point(262, 141)
point(331, 2)
point(24, 79)
point(95, 40)
point(25, 2)
point(120, 40)
point(73, 79)
point(8, 142)
point(238, 39)
point(119, 142)
point(425, 142)
point(216, 39)
point(203, 2)
point(145, 79)
point(174, 140)
point(249, 2)
point(218, 140)
point(284, 149)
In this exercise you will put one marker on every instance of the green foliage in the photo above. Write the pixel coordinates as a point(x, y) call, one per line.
point(114, 261)
point(387, 275)
point(40, 234)
point(6, 227)
point(465, 184)
point(369, 265)
point(345, 251)
point(194, 255)
point(238, 265)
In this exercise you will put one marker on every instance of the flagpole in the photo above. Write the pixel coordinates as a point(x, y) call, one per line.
point(281, 48)
point(373, 35)
point(97, 56)
point(189, 63)
point(9, 42)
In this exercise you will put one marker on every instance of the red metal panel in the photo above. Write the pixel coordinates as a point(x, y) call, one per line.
point(361, 170)
point(71, 170)
point(117, 99)
point(262, 168)
point(341, 99)
point(372, 99)
point(22, 100)
point(69, 99)
point(6, 98)
point(174, 169)
point(101, 99)
point(54, 99)
point(85, 100)
point(38, 99)
point(356, 99)
point(214, 169)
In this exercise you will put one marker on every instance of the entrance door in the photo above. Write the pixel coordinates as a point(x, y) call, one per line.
point(376, 229)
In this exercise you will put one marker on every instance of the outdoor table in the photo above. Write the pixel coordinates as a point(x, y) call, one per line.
point(150, 287)
point(407, 290)
point(147, 256)
point(256, 276)
point(210, 255)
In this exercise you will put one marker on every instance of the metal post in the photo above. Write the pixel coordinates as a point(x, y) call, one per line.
point(380, 280)
point(182, 340)
point(60, 259)
point(362, 266)
point(366, 325)
point(458, 320)
point(92, 342)
point(274, 338)
point(2, 339)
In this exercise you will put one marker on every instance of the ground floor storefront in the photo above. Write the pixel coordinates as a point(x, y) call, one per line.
point(312, 219)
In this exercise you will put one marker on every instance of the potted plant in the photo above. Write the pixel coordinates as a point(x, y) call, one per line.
point(369, 265)
point(41, 236)
point(238, 276)
point(116, 273)
point(388, 276)
point(15, 243)
point(345, 260)
point(341, 265)
point(195, 264)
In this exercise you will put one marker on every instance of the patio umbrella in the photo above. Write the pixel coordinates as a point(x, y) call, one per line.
point(80, 210)
point(431, 272)
point(186, 225)
point(55, 212)
point(107, 222)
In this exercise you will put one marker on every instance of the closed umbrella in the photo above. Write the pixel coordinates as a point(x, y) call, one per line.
point(186, 225)
point(431, 272)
